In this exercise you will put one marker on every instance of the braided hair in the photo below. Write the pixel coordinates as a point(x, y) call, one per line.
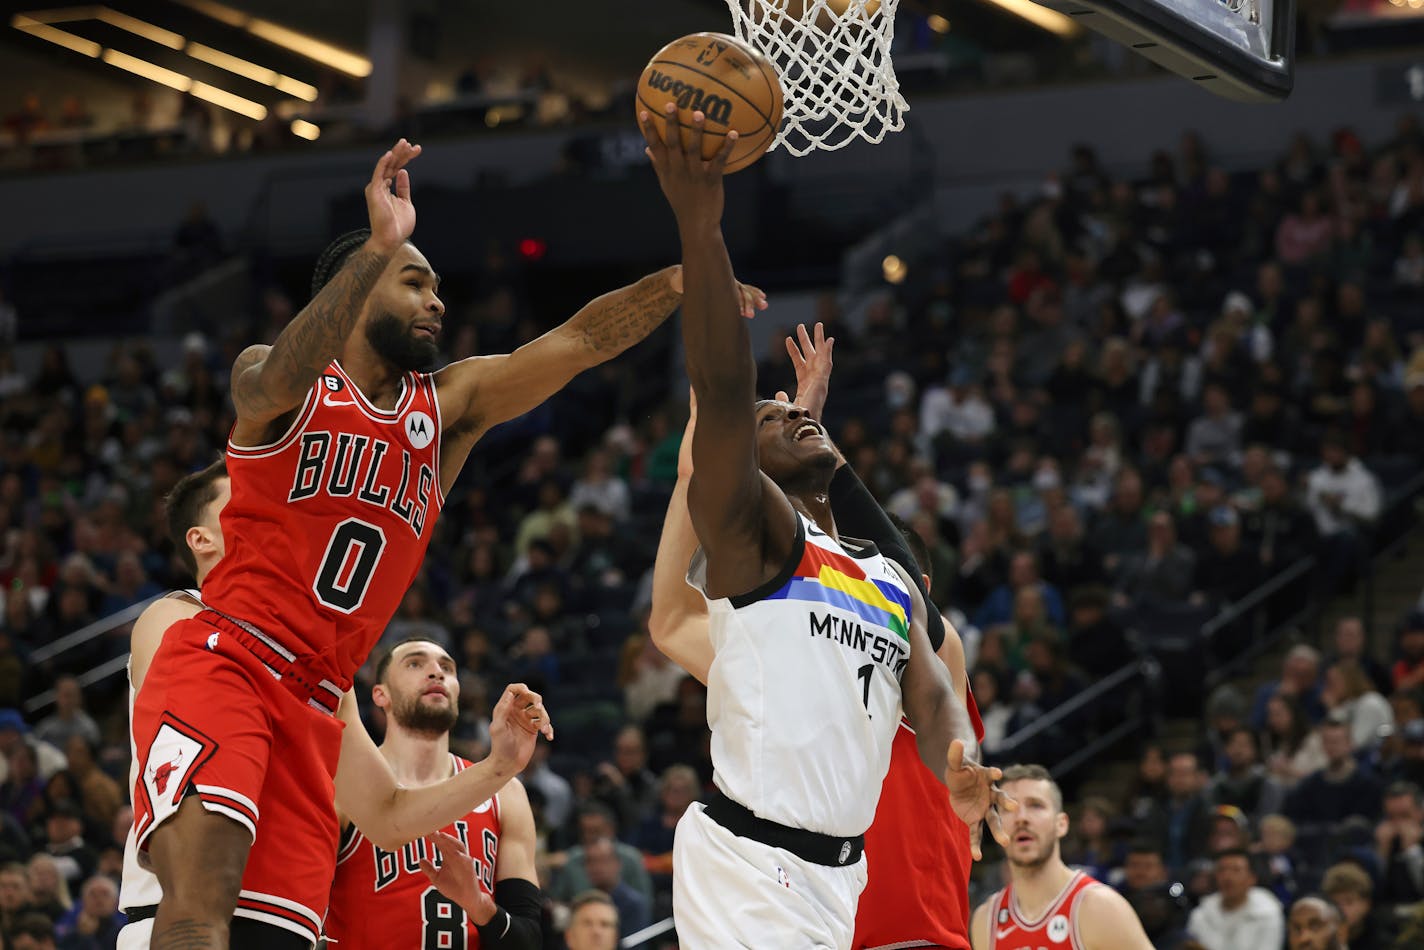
point(334, 257)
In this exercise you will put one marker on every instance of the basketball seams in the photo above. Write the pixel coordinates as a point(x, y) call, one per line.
point(766, 119)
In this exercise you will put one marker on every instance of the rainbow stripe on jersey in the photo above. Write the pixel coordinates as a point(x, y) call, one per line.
point(835, 579)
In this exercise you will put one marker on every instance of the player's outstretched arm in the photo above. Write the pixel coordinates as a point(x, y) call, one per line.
point(731, 508)
point(1106, 921)
point(268, 381)
point(678, 622)
point(511, 919)
point(391, 815)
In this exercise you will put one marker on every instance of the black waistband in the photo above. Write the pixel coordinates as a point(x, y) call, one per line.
point(811, 846)
point(144, 912)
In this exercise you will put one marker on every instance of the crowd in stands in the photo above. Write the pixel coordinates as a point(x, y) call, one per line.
point(1116, 396)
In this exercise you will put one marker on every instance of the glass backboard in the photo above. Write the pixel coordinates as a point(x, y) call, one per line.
point(1240, 49)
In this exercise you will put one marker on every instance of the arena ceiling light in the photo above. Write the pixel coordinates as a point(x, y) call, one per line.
point(353, 64)
point(42, 26)
point(153, 72)
point(1041, 17)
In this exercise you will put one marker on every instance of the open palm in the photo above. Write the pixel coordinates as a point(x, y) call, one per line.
point(388, 204)
point(455, 877)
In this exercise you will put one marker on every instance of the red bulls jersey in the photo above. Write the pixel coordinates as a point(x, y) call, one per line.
point(917, 854)
point(381, 899)
point(1056, 929)
point(327, 526)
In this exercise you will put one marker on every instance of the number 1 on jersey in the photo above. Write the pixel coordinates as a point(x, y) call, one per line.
point(864, 673)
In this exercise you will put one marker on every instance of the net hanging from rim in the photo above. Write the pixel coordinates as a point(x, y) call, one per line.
point(833, 58)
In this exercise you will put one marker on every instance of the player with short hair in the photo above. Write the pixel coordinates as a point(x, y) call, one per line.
point(471, 885)
point(193, 513)
point(817, 639)
point(342, 453)
point(1047, 903)
point(918, 851)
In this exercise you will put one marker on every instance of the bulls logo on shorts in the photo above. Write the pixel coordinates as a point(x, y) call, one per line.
point(1058, 929)
point(420, 429)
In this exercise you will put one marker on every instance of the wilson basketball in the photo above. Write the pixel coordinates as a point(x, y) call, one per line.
point(734, 86)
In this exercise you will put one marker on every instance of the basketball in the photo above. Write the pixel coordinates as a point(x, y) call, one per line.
point(734, 86)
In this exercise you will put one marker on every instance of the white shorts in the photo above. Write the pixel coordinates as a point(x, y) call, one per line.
point(135, 936)
point(736, 892)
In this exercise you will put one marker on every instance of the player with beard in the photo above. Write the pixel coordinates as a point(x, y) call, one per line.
point(1047, 903)
point(342, 453)
point(801, 724)
point(473, 884)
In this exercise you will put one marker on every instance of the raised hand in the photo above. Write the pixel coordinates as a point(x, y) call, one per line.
point(455, 878)
point(975, 798)
point(812, 361)
point(516, 724)
point(391, 212)
point(692, 185)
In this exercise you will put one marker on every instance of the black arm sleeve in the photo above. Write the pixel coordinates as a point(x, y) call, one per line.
point(517, 924)
point(859, 515)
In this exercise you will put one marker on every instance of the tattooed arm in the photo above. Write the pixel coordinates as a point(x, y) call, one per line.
point(268, 381)
point(483, 391)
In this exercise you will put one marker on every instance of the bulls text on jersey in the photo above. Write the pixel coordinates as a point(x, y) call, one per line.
point(336, 471)
point(390, 865)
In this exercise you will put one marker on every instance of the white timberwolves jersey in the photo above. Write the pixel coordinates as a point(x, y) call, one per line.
point(803, 696)
point(139, 886)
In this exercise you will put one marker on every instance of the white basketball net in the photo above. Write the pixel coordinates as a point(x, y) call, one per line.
point(833, 58)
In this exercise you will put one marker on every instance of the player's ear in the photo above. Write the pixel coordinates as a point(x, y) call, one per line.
point(1062, 823)
point(200, 540)
point(380, 696)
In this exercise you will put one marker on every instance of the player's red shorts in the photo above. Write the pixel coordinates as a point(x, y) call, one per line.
point(214, 720)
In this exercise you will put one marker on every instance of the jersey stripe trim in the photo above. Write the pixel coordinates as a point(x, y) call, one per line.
point(1052, 908)
point(793, 561)
point(370, 409)
point(279, 912)
point(429, 380)
point(354, 839)
point(283, 441)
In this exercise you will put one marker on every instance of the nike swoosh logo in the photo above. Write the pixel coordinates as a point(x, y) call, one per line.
point(326, 401)
point(1001, 934)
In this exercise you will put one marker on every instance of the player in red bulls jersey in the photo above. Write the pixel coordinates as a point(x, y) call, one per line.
point(1048, 905)
point(342, 453)
point(472, 886)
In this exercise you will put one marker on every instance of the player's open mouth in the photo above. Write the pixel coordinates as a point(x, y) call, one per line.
point(436, 692)
point(430, 330)
point(1023, 839)
point(807, 430)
